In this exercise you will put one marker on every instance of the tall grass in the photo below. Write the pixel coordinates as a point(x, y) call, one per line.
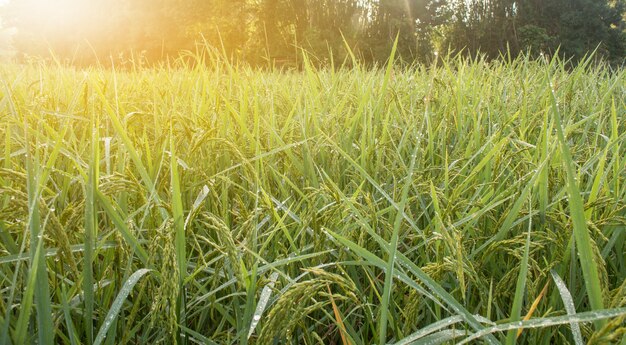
point(210, 203)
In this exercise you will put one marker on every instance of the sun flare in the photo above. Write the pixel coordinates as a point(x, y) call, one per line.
point(57, 17)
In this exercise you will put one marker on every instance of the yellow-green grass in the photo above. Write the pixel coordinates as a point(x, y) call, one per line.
point(212, 203)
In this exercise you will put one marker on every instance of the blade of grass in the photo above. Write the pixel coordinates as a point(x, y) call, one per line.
point(568, 301)
point(76, 248)
point(520, 288)
point(27, 300)
point(262, 304)
point(179, 228)
point(533, 307)
point(91, 233)
point(442, 337)
point(434, 327)
point(589, 316)
point(118, 303)
point(42, 289)
point(122, 227)
point(393, 248)
point(577, 213)
point(7, 240)
point(338, 318)
point(67, 315)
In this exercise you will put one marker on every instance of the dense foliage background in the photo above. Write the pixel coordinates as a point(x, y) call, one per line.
point(269, 31)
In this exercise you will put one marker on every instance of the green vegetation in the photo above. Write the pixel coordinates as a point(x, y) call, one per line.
point(211, 203)
point(269, 32)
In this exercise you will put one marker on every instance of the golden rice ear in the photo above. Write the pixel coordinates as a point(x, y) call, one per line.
point(306, 298)
point(224, 242)
point(613, 332)
point(165, 290)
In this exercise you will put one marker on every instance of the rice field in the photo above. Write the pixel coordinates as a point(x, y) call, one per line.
point(209, 203)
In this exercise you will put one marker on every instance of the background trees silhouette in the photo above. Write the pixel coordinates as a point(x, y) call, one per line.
point(264, 32)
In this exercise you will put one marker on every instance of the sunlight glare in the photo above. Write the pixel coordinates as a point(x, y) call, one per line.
point(57, 17)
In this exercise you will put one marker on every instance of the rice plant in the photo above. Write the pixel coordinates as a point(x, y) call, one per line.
point(207, 202)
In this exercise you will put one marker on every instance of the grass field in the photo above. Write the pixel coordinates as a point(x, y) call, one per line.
point(216, 204)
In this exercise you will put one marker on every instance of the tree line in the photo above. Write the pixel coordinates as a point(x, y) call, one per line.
point(262, 32)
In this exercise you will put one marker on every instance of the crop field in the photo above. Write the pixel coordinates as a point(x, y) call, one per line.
point(208, 203)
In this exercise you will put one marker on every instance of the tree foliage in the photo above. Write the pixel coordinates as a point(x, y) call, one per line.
point(273, 32)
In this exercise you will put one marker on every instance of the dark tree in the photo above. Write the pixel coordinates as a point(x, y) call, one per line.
point(275, 32)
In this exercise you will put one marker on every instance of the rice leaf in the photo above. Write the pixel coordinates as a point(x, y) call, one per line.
point(568, 301)
point(589, 316)
point(126, 289)
point(520, 288)
point(577, 214)
point(266, 293)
